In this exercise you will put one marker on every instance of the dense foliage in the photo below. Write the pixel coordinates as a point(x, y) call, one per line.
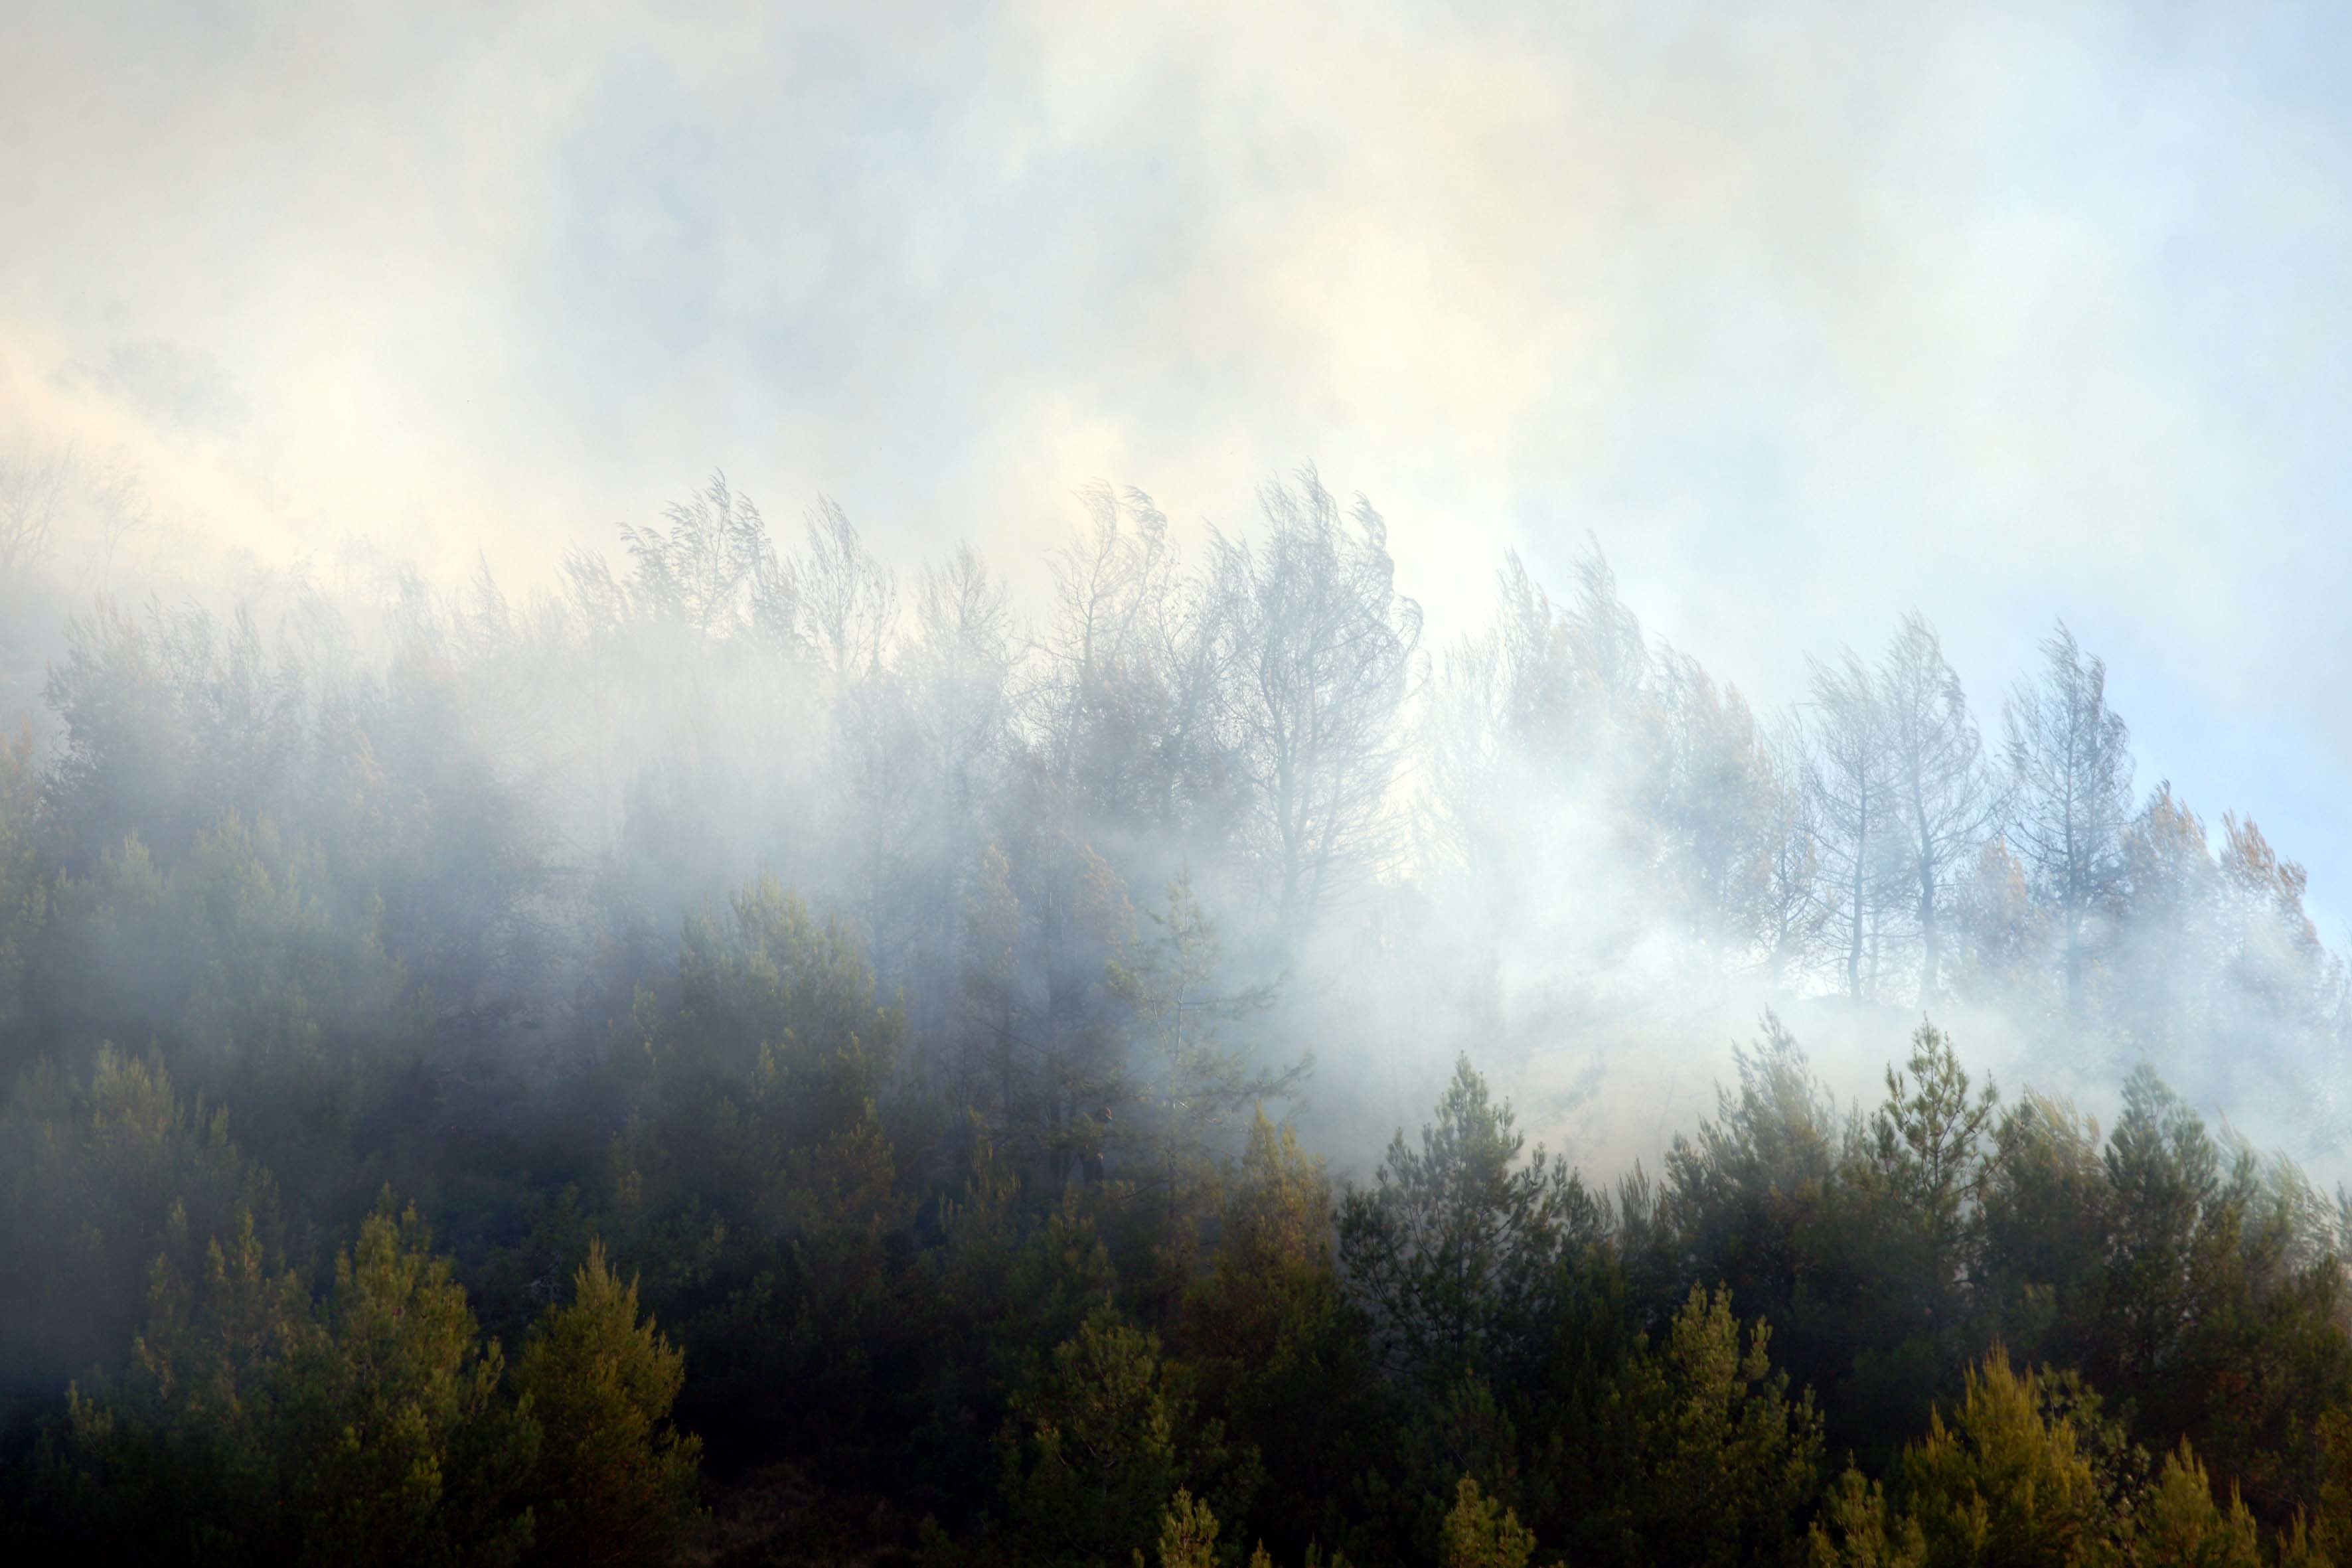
point(438, 1131)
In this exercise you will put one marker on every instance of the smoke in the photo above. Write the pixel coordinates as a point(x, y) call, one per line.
point(2004, 316)
point(1553, 844)
point(2002, 312)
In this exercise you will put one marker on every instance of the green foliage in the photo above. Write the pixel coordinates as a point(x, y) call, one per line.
point(1188, 1534)
point(2185, 1529)
point(1457, 1251)
point(1469, 1427)
point(181, 721)
point(245, 963)
point(1855, 1529)
point(769, 975)
point(1482, 1533)
point(256, 1427)
point(1090, 1453)
point(2201, 1287)
point(1727, 1462)
point(1190, 1084)
point(1039, 1052)
point(1739, 1191)
point(765, 1083)
point(1754, 1202)
point(2224, 1307)
point(2004, 1483)
point(96, 1181)
point(2326, 1529)
point(2044, 1211)
point(1902, 1240)
point(2015, 1479)
point(1924, 1146)
point(1188, 1538)
point(755, 1185)
point(1274, 1246)
point(995, 1259)
point(168, 726)
point(239, 946)
point(615, 1483)
point(1278, 1351)
point(1687, 1450)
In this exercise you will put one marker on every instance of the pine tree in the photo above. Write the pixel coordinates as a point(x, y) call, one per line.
point(1852, 783)
point(615, 1482)
point(1455, 1251)
point(1944, 801)
point(2070, 773)
point(1090, 1453)
point(2185, 1529)
point(1480, 1533)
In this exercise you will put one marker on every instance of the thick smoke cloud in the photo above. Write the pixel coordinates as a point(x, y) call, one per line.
point(2001, 312)
point(1695, 588)
point(1558, 845)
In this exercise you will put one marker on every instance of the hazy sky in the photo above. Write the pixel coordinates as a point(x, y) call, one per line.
point(1811, 314)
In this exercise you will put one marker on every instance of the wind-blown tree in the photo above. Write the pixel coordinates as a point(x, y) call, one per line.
point(170, 726)
point(406, 899)
point(1490, 807)
point(2290, 999)
point(1127, 706)
point(847, 623)
point(1944, 801)
point(704, 568)
point(1460, 817)
point(2006, 932)
point(1853, 785)
point(797, 649)
point(2170, 912)
point(2272, 949)
point(1720, 811)
point(843, 603)
point(1556, 750)
point(33, 491)
point(1323, 644)
point(956, 743)
point(1790, 914)
point(1576, 693)
point(2071, 774)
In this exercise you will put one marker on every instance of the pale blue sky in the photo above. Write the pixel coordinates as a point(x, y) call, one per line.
point(1812, 313)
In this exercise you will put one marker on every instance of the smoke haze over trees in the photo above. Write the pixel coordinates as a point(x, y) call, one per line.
point(1438, 786)
point(753, 1006)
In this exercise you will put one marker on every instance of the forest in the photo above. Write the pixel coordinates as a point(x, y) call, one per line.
point(733, 1057)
